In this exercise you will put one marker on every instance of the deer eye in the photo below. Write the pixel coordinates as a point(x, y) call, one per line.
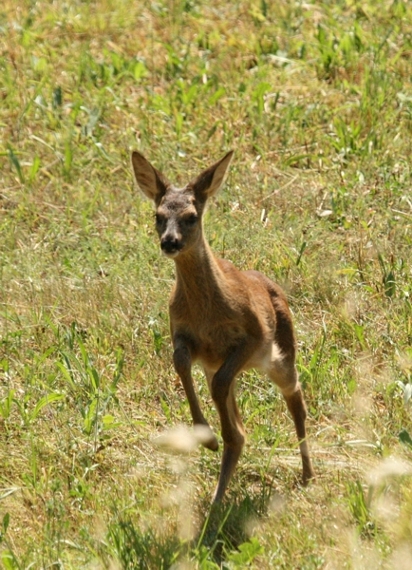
point(159, 219)
point(191, 220)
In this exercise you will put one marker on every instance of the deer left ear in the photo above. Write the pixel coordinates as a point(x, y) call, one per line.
point(210, 180)
point(150, 181)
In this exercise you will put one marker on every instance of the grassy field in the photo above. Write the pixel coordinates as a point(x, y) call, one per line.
point(316, 100)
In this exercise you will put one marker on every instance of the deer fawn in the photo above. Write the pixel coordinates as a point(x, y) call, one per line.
point(228, 320)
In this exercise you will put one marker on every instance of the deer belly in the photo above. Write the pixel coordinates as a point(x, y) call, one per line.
point(214, 346)
point(211, 354)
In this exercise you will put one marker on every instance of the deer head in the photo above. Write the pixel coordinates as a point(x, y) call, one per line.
point(179, 210)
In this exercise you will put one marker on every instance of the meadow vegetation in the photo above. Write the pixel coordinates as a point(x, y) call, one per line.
point(316, 99)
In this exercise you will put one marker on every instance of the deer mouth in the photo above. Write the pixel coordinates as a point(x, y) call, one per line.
point(171, 254)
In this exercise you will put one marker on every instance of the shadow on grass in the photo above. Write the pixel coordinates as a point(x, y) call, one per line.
point(226, 529)
point(223, 537)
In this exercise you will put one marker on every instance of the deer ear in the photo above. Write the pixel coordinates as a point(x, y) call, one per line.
point(150, 181)
point(210, 180)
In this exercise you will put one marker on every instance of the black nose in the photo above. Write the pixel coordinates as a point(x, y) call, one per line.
point(170, 245)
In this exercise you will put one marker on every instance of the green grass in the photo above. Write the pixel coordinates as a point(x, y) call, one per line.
point(316, 99)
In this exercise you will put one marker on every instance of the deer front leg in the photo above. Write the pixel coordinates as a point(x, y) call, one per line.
point(233, 439)
point(182, 360)
point(233, 434)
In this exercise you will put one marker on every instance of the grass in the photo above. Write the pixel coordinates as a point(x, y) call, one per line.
point(316, 98)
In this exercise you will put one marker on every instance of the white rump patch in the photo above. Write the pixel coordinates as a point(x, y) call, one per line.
point(269, 359)
point(276, 355)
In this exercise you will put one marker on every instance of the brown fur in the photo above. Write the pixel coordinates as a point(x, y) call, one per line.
point(228, 320)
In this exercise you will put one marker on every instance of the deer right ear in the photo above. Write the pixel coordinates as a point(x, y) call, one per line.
point(150, 181)
point(211, 179)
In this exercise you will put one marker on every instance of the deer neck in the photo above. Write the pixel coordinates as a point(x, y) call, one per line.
point(198, 274)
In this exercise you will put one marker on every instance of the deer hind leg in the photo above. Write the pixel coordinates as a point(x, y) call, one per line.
point(182, 360)
point(284, 375)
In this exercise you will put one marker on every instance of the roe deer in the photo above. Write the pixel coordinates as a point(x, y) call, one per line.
point(228, 320)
